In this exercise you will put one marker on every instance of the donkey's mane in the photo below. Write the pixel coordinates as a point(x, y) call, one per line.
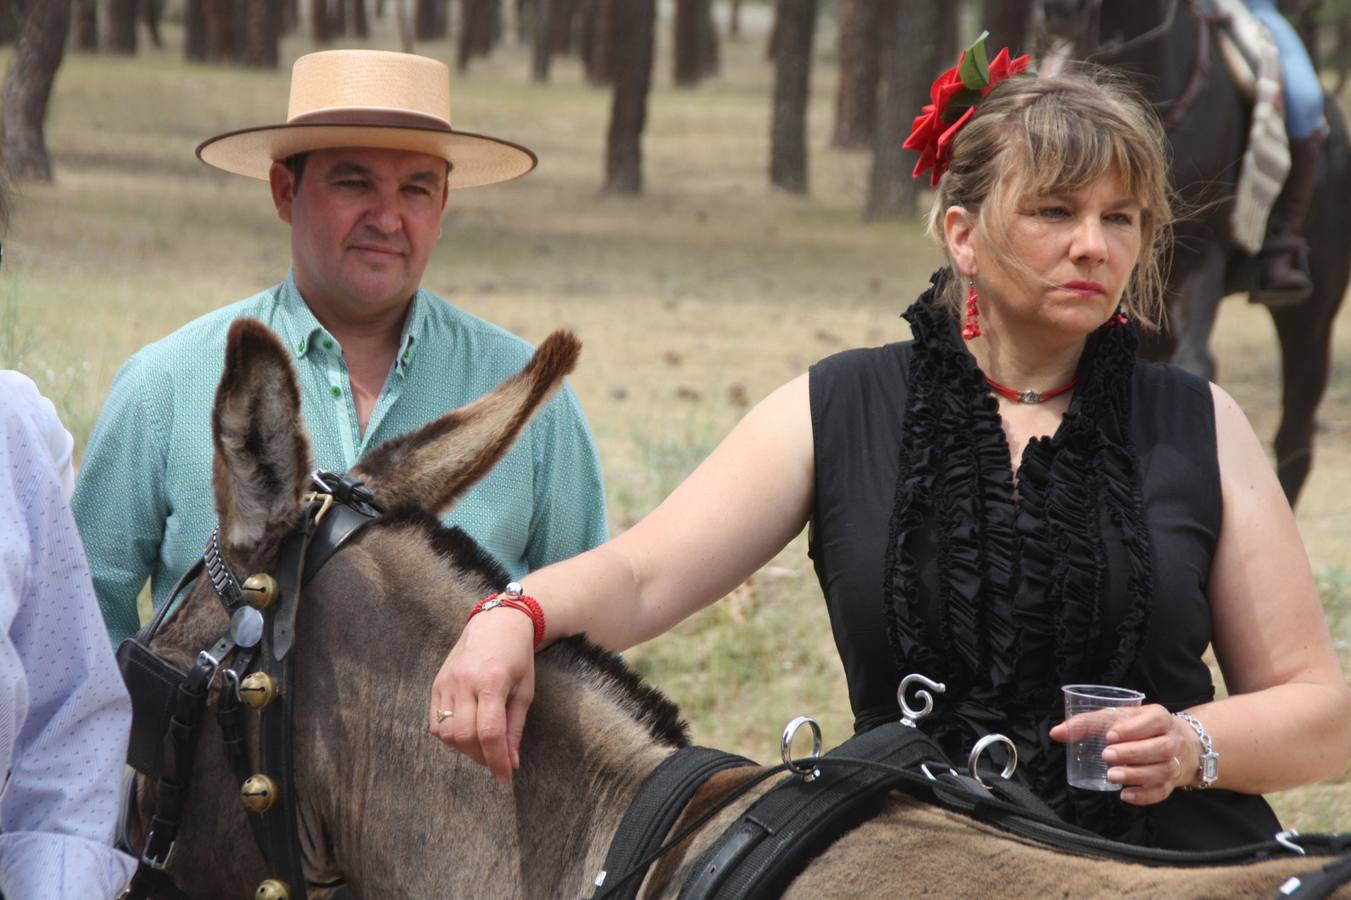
point(589, 662)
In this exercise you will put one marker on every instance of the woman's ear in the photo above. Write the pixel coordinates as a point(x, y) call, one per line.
point(959, 229)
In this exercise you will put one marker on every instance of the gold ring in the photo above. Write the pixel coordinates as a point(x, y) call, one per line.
point(443, 714)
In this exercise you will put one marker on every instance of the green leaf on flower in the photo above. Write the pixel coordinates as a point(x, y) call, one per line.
point(975, 66)
point(959, 104)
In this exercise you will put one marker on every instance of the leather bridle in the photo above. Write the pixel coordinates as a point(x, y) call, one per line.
point(168, 703)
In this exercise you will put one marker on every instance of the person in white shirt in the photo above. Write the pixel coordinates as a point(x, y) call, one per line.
point(64, 711)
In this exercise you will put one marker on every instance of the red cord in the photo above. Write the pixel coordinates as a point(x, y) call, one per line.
point(1032, 397)
point(520, 602)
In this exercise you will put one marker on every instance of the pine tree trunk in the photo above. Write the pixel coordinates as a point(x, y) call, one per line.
point(634, 25)
point(321, 29)
point(600, 48)
point(541, 48)
point(87, 25)
point(685, 43)
point(194, 30)
point(910, 62)
point(432, 19)
point(262, 33)
point(1009, 23)
point(28, 85)
point(154, 11)
point(856, 94)
point(120, 26)
point(220, 31)
point(796, 27)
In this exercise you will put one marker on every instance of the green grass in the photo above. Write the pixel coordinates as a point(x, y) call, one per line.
point(692, 300)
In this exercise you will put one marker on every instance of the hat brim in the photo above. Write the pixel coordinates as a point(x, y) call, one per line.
point(475, 159)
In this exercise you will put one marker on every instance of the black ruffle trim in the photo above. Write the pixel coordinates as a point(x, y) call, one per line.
point(1002, 598)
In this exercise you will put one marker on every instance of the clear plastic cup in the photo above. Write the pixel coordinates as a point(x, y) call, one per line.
point(1090, 712)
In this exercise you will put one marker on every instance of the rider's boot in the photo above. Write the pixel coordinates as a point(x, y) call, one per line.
point(1284, 279)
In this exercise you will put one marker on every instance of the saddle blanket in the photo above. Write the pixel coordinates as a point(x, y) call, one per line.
point(1252, 58)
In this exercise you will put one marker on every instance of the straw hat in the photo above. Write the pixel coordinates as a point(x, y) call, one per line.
point(369, 98)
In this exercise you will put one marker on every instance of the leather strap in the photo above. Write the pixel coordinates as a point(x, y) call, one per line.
point(786, 827)
point(660, 800)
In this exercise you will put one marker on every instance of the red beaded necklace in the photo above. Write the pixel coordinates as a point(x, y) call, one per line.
point(1029, 397)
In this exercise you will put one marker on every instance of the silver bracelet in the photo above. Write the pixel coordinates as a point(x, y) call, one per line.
point(1208, 766)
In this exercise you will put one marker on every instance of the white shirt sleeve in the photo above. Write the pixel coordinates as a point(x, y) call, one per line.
point(60, 445)
point(64, 712)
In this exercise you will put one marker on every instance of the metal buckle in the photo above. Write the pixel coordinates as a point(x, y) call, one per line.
point(158, 865)
point(325, 500)
point(807, 771)
point(924, 767)
point(211, 663)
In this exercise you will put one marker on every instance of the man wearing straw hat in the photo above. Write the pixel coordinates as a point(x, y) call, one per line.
point(360, 172)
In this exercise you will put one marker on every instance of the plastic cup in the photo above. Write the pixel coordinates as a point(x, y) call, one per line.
point(1090, 712)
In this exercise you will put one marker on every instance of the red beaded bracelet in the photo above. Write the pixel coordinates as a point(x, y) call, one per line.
point(513, 596)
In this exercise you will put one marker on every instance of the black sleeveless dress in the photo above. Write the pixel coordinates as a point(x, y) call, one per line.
point(858, 400)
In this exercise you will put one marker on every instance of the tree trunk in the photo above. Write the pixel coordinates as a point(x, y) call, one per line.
point(541, 48)
point(360, 24)
point(28, 85)
point(525, 20)
point(709, 52)
point(321, 30)
point(432, 21)
point(796, 26)
point(475, 35)
point(856, 94)
point(262, 33)
point(220, 31)
point(1009, 23)
point(194, 30)
point(909, 64)
point(120, 26)
point(154, 11)
point(634, 24)
point(337, 13)
point(405, 22)
point(599, 55)
point(87, 25)
point(685, 43)
point(562, 18)
point(734, 31)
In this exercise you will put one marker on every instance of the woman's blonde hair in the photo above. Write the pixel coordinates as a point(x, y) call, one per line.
point(1035, 136)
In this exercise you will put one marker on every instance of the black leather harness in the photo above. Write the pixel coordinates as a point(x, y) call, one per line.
point(167, 704)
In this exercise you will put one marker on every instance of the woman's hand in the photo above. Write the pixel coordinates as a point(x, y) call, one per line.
point(1150, 753)
point(486, 685)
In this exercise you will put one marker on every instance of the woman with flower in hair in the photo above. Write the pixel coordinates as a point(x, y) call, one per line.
point(1007, 503)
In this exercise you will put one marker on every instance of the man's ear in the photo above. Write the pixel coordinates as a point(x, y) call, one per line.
point(959, 228)
point(283, 182)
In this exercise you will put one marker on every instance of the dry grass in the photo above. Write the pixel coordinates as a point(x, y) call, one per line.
point(699, 296)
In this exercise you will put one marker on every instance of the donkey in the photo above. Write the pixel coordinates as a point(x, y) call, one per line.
point(388, 808)
point(1165, 47)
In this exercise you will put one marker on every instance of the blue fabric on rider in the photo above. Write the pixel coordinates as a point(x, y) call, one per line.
point(1303, 91)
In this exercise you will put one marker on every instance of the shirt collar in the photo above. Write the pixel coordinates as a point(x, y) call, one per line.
point(301, 330)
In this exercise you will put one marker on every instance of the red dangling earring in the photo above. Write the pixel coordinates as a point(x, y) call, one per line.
point(972, 327)
point(1118, 319)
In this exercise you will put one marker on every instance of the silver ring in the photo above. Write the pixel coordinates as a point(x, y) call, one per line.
point(984, 743)
point(807, 770)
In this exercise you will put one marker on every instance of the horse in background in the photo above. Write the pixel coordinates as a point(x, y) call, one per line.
point(1168, 48)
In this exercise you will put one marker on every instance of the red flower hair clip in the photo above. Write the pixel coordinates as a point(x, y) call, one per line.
point(954, 97)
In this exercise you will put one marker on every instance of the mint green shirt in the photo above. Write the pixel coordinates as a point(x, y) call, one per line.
point(144, 501)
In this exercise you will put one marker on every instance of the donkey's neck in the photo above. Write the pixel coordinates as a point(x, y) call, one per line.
point(404, 815)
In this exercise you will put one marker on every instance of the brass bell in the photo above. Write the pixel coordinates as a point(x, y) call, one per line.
point(260, 590)
point(259, 793)
point(258, 690)
point(272, 889)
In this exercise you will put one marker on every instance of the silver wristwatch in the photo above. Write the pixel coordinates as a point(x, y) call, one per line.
point(1208, 767)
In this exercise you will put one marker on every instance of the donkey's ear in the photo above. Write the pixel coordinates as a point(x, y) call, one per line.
point(262, 455)
point(432, 466)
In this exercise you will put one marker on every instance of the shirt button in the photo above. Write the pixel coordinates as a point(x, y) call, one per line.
point(336, 391)
point(328, 344)
point(300, 346)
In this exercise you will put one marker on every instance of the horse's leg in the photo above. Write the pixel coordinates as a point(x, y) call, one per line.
point(1195, 291)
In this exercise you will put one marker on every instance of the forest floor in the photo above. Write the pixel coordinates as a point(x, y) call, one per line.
point(693, 300)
